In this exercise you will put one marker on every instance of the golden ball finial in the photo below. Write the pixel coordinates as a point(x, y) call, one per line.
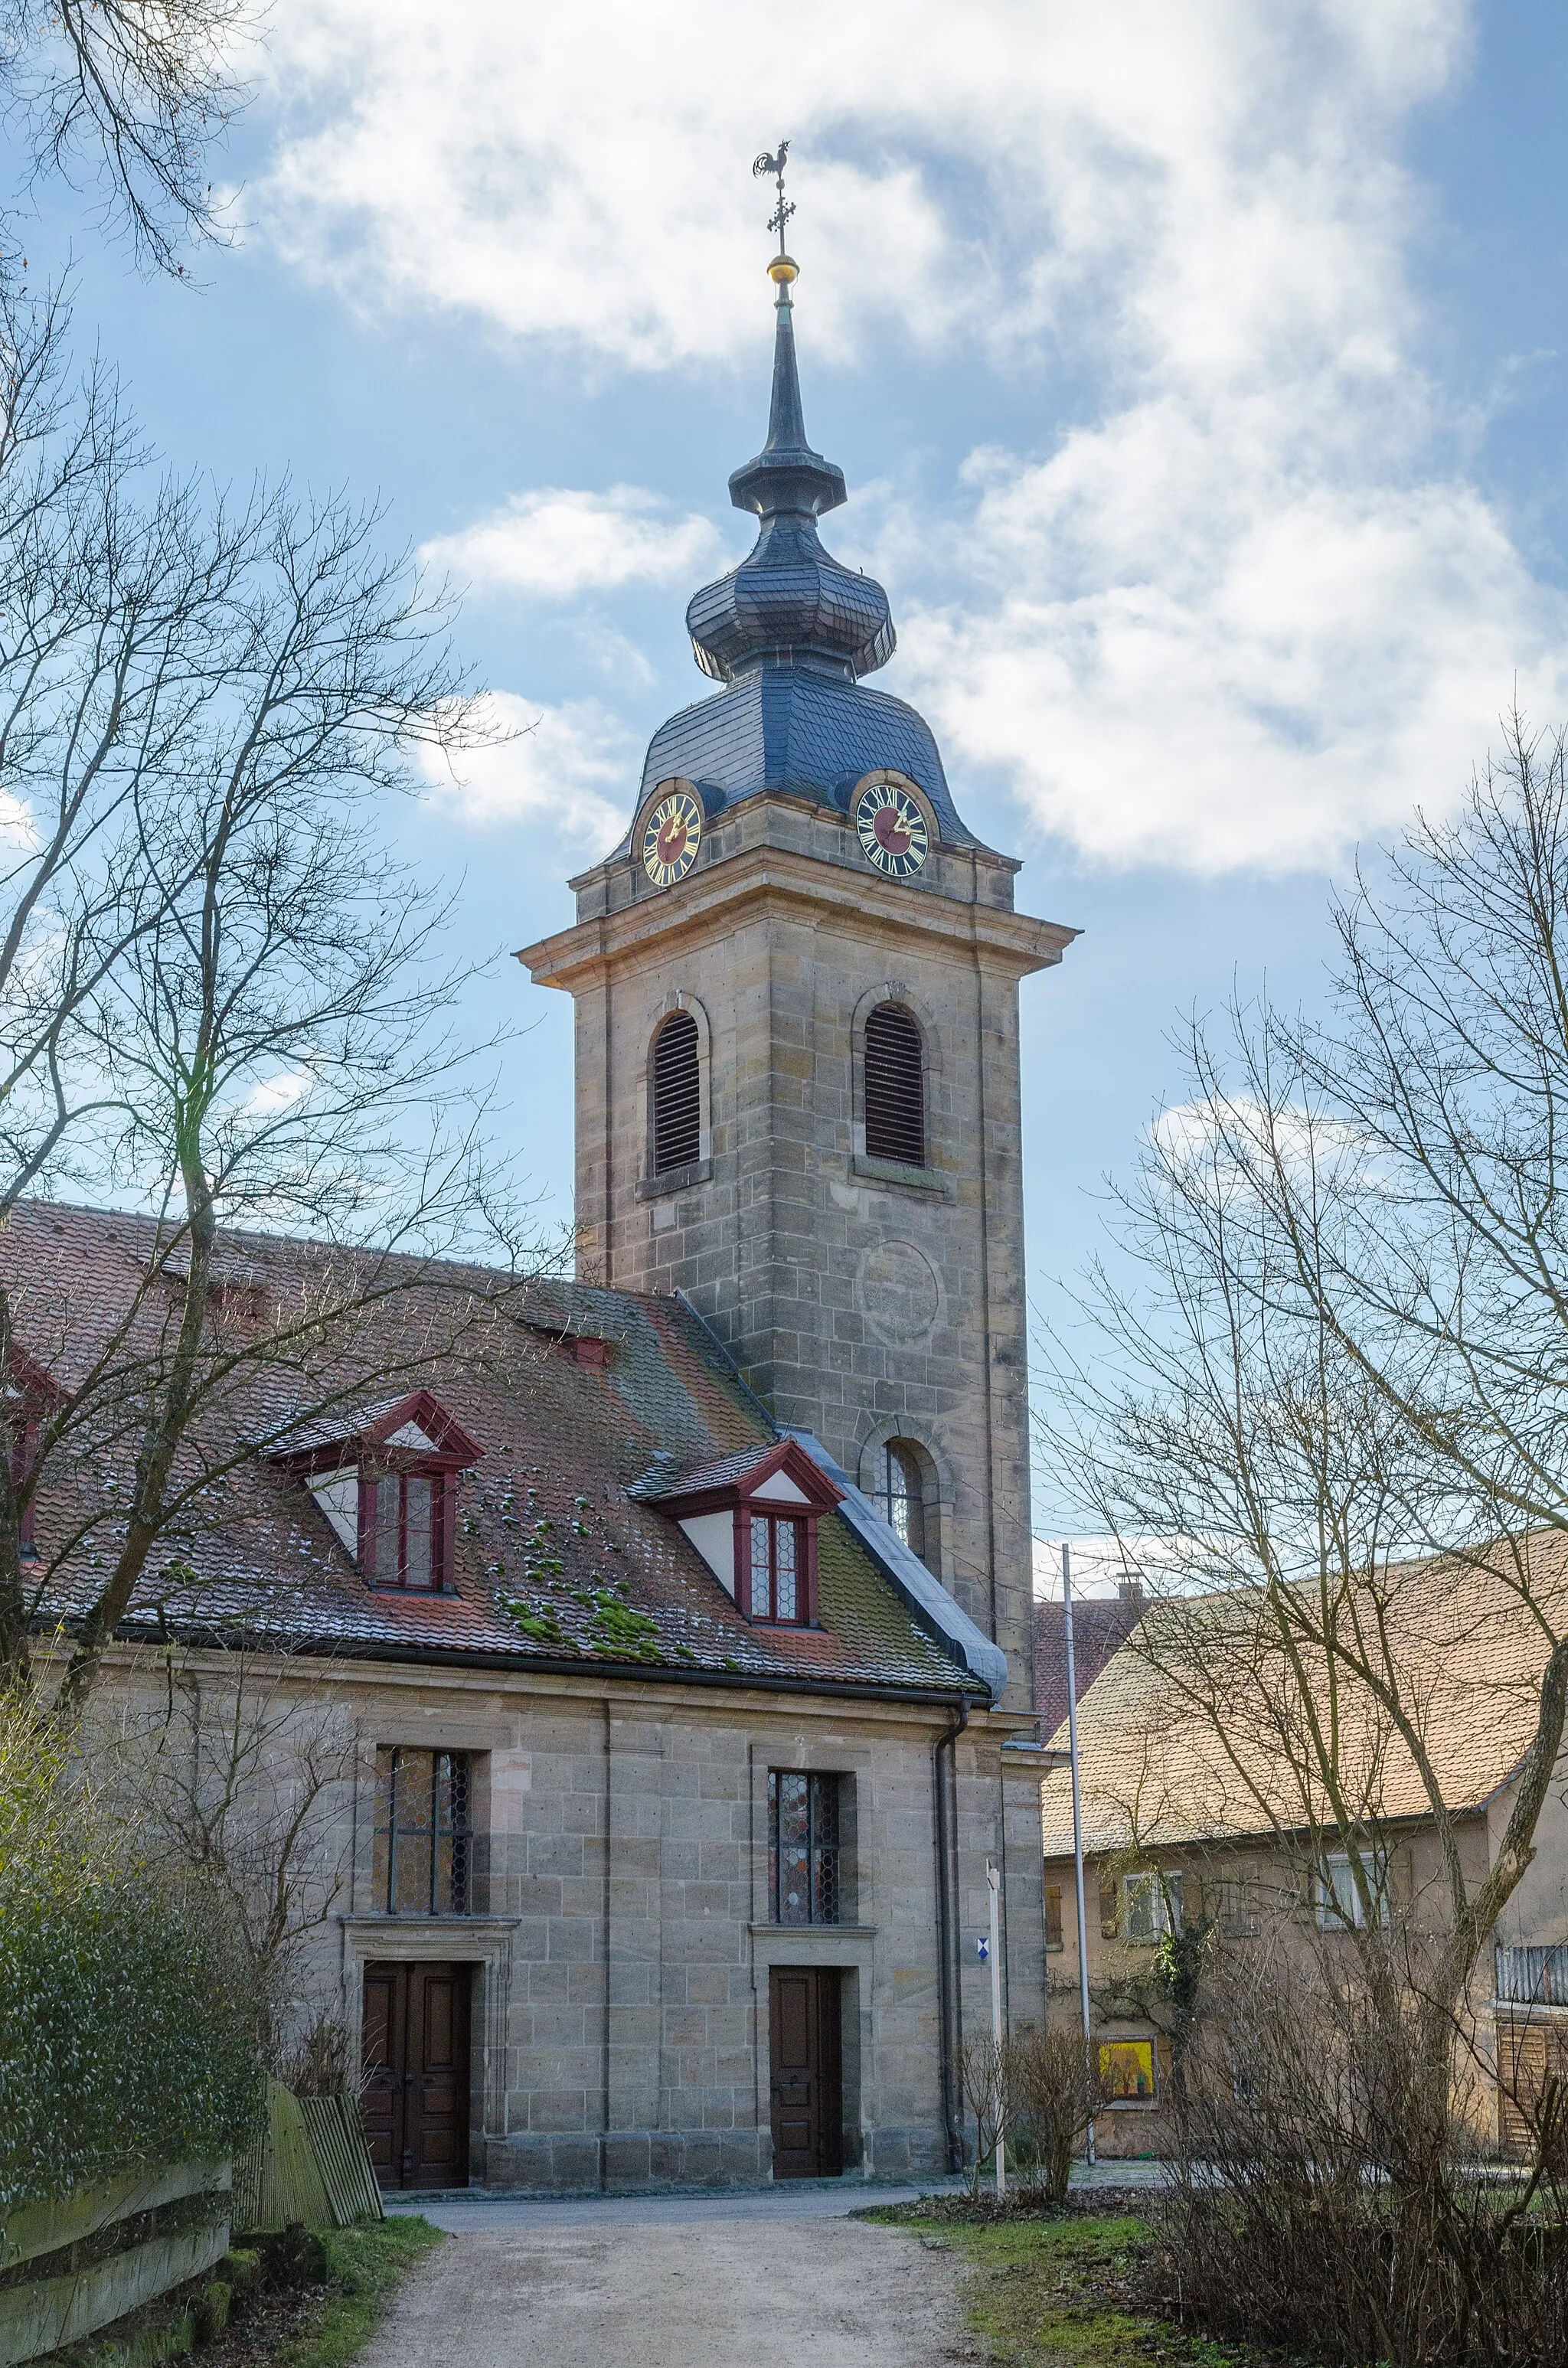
point(782, 270)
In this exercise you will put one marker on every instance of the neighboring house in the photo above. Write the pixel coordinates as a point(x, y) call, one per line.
point(1100, 1623)
point(677, 1621)
point(1193, 1812)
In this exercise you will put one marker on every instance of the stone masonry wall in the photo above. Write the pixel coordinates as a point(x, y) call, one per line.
point(620, 1934)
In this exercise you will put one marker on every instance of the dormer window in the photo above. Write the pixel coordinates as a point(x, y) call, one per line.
point(775, 1566)
point(388, 1486)
point(754, 1521)
point(403, 1528)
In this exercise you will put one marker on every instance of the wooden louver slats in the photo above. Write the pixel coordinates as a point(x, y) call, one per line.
point(678, 1094)
point(896, 1087)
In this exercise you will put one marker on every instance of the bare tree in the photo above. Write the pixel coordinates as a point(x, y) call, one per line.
point(1326, 1415)
point(127, 97)
point(221, 998)
point(239, 1781)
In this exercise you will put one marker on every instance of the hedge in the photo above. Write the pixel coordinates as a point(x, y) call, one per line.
point(129, 2039)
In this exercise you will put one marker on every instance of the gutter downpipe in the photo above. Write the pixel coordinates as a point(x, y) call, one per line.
point(1077, 1809)
point(945, 1781)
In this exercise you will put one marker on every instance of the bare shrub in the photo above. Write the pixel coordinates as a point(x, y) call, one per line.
point(1054, 2090)
point(1329, 2200)
point(982, 2084)
point(321, 2062)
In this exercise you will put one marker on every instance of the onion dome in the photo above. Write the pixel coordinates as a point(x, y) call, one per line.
point(789, 603)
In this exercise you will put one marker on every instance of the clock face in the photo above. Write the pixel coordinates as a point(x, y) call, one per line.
point(671, 837)
point(892, 829)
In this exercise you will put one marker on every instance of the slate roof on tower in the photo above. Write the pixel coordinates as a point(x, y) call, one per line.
point(559, 1562)
point(790, 632)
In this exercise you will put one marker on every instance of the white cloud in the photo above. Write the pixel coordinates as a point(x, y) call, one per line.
point(276, 1094)
point(1249, 608)
point(555, 543)
point(575, 767)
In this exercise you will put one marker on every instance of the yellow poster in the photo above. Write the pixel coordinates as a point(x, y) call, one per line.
point(1127, 2068)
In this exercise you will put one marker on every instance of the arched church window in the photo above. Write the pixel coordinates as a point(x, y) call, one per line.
point(904, 1493)
point(678, 1094)
point(896, 1087)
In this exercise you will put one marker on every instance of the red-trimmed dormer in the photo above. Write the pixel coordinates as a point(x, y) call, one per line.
point(754, 1521)
point(385, 1477)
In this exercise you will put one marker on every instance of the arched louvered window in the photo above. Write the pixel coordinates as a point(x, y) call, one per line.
point(896, 1087)
point(678, 1094)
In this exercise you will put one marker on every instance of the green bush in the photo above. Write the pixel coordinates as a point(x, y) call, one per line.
point(129, 2038)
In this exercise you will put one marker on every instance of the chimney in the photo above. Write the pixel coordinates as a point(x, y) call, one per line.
point(1131, 1590)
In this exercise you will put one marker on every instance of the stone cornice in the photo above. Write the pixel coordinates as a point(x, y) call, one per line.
point(767, 875)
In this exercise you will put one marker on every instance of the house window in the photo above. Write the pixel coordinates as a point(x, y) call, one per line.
point(1340, 1904)
point(422, 1833)
point(775, 1571)
point(402, 1529)
point(903, 1494)
point(678, 1094)
point(803, 1847)
point(894, 1097)
point(1153, 1907)
point(1053, 1916)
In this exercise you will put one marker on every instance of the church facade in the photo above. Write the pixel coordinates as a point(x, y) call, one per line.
point(673, 1626)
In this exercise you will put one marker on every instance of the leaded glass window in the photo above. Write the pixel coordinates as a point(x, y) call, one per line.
point(423, 1839)
point(803, 1847)
point(775, 1570)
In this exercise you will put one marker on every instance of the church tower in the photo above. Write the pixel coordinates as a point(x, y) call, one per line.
point(796, 983)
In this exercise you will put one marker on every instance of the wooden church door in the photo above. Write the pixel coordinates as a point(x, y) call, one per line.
point(806, 2063)
point(415, 2097)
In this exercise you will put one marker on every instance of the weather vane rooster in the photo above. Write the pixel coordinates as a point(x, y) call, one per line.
point(781, 213)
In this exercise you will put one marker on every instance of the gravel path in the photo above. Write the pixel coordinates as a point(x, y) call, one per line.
point(690, 2292)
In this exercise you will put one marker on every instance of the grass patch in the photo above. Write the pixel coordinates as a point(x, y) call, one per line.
point(363, 2265)
point(1067, 2292)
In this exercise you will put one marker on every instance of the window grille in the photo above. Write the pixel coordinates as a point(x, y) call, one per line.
point(775, 1570)
point(423, 1839)
point(1053, 1916)
point(803, 1847)
point(896, 1087)
point(402, 1516)
point(1533, 1976)
point(903, 1495)
point(678, 1094)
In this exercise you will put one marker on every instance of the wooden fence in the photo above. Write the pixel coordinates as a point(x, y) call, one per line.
point(311, 2163)
point(64, 2304)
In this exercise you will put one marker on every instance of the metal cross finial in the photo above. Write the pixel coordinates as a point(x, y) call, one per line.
point(781, 213)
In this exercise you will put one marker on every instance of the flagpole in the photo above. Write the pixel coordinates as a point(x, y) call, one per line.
point(1077, 1809)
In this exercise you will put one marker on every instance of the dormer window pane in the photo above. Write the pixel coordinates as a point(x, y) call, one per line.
point(418, 1569)
point(761, 1593)
point(385, 1556)
point(784, 1533)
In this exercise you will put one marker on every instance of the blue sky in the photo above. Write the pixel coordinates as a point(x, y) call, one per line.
point(1199, 377)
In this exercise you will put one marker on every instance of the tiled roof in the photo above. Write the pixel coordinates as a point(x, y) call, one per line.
point(1182, 1737)
point(729, 1469)
point(547, 1523)
point(1099, 1625)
